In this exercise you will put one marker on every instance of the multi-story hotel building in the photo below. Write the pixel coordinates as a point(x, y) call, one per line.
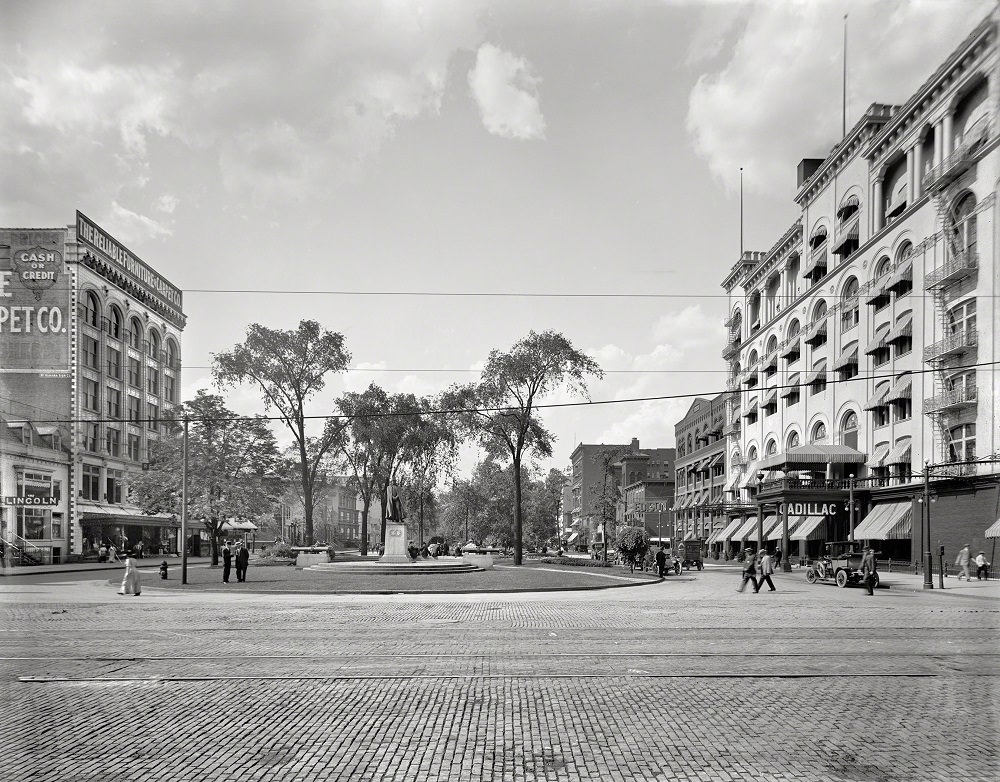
point(863, 345)
point(699, 508)
point(90, 339)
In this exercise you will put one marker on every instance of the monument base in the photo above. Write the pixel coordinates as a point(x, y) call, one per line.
point(395, 545)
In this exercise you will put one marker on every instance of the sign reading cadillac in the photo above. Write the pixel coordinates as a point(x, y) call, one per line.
point(809, 508)
point(34, 302)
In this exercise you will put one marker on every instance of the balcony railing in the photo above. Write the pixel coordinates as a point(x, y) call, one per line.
point(951, 400)
point(731, 429)
point(959, 160)
point(731, 349)
point(957, 343)
point(824, 484)
point(962, 264)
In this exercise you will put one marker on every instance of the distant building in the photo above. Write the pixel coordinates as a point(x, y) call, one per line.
point(699, 509)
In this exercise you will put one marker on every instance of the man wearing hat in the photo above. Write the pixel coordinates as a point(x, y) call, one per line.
point(868, 569)
point(982, 567)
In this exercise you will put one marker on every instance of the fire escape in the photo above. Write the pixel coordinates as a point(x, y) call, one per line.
point(957, 345)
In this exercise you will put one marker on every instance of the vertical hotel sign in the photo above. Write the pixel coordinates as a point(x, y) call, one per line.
point(134, 269)
point(34, 303)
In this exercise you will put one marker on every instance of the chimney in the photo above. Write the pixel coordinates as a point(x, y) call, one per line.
point(635, 445)
point(807, 167)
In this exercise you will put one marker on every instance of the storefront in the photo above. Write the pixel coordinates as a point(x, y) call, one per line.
point(128, 530)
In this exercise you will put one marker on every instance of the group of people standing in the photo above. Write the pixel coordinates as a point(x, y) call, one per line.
point(242, 562)
point(964, 560)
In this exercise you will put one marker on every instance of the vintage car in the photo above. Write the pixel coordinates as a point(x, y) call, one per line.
point(841, 563)
point(692, 553)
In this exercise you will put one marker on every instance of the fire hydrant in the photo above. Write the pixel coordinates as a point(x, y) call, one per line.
point(163, 570)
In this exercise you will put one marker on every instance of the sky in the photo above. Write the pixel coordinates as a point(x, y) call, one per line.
point(348, 159)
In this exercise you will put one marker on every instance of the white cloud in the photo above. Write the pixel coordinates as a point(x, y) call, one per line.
point(167, 203)
point(689, 328)
point(777, 99)
point(505, 89)
point(132, 227)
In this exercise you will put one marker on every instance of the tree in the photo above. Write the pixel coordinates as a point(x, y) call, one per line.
point(228, 457)
point(543, 507)
point(289, 368)
point(606, 491)
point(500, 409)
point(632, 543)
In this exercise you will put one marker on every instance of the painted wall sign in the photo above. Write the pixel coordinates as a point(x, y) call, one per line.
point(809, 508)
point(650, 507)
point(96, 238)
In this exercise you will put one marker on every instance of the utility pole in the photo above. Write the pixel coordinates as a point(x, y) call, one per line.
point(928, 561)
point(184, 507)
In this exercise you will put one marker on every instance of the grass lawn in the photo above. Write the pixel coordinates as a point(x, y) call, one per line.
point(530, 577)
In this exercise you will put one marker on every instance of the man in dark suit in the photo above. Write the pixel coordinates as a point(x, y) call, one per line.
point(227, 562)
point(242, 560)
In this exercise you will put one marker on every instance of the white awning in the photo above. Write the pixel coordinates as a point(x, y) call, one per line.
point(778, 529)
point(749, 474)
point(903, 389)
point(573, 537)
point(878, 455)
point(742, 532)
point(769, 522)
point(808, 528)
point(903, 328)
point(993, 531)
point(238, 525)
point(878, 400)
point(900, 454)
point(888, 521)
point(730, 529)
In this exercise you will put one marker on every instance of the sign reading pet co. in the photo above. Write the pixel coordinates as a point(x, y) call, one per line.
point(34, 302)
point(96, 238)
point(809, 508)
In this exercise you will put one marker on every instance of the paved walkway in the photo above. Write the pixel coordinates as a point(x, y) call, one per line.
point(681, 680)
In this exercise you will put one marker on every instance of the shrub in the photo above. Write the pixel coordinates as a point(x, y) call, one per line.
point(632, 543)
point(279, 551)
point(575, 562)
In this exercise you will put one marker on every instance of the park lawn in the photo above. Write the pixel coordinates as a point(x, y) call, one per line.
point(532, 576)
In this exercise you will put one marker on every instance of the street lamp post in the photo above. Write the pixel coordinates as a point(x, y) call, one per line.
point(850, 507)
point(928, 561)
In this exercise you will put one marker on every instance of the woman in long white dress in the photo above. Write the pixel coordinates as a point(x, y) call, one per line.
point(130, 582)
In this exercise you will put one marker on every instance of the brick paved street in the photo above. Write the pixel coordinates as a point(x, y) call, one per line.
point(684, 680)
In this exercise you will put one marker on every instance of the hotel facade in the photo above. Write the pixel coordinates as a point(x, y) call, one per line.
point(90, 352)
point(863, 389)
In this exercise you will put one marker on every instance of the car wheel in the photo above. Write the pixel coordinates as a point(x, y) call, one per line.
point(700, 566)
point(678, 568)
point(811, 576)
point(842, 578)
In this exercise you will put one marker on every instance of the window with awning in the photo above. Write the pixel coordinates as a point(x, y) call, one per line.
point(816, 332)
point(749, 474)
point(878, 456)
point(902, 275)
point(879, 398)
point(902, 329)
point(879, 342)
point(791, 386)
point(808, 528)
point(900, 454)
point(901, 389)
point(730, 529)
point(848, 358)
point(769, 523)
point(743, 531)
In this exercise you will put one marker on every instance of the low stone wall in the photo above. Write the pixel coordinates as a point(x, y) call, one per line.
point(481, 561)
point(305, 559)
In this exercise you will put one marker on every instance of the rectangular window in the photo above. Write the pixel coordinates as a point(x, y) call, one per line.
point(113, 442)
point(133, 447)
point(90, 483)
point(90, 399)
point(115, 484)
point(903, 346)
point(880, 417)
point(904, 409)
point(114, 363)
point(881, 356)
point(153, 416)
point(133, 409)
point(90, 437)
point(88, 352)
point(57, 526)
point(134, 373)
point(153, 378)
point(849, 317)
point(31, 523)
point(168, 388)
point(114, 402)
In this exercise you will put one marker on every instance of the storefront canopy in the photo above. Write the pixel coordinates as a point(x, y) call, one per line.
point(769, 522)
point(124, 514)
point(888, 521)
point(993, 531)
point(236, 525)
point(748, 526)
point(808, 528)
point(778, 529)
point(730, 530)
point(813, 454)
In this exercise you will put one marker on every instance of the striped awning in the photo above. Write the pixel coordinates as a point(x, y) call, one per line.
point(749, 474)
point(769, 522)
point(848, 358)
point(903, 328)
point(993, 531)
point(901, 389)
point(903, 273)
point(900, 454)
point(751, 409)
point(877, 291)
point(878, 400)
point(770, 398)
point(703, 465)
point(748, 525)
point(878, 343)
point(817, 454)
point(714, 537)
point(816, 330)
point(791, 386)
point(888, 521)
point(878, 456)
point(573, 537)
point(815, 375)
point(730, 529)
point(777, 529)
point(714, 460)
point(791, 347)
point(849, 202)
point(808, 528)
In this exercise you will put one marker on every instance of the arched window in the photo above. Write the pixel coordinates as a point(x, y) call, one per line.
point(820, 311)
point(754, 311)
point(850, 312)
point(792, 276)
point(963, 224)
point(752, 359)
point(172, 354)
point(115, 323)
point(905, 252)
point(690, 442)
point(793, 441)
point(882, 267)
point(154, 344)
point(849, 430)
point(818, 432)
point(793, 329)
point(91, 309)
point(771, 448)
point(752, 453)
point(772, 344)
point(135, 334)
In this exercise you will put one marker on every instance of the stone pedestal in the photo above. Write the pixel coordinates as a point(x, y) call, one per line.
point(395, 544)
point(307, 559)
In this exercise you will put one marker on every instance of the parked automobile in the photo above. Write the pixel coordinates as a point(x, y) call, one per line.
point(692, 553)
point(841, 563)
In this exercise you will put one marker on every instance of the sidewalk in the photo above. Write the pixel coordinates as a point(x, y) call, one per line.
point(85, 567)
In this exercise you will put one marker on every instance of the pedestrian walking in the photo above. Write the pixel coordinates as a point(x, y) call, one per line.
point(766, 569)
point(749, 573)
point(982, 567)
point(227, 562)
point(868, 570)
point(242, 561)
point(962, 562)
point(661, 561)
point(131, 584)
point(777, 557)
